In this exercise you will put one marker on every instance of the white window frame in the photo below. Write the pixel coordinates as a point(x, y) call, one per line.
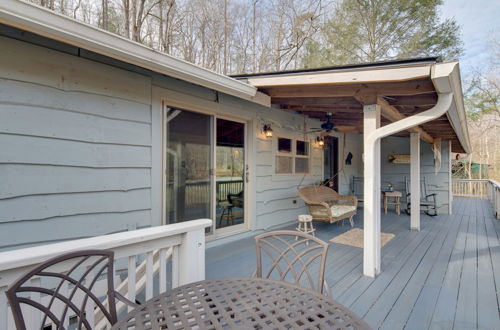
point(293, 155)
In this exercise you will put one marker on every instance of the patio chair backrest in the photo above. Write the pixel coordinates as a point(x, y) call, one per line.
point(292, 256)
point(357, 187)
point(423, 187)
point(64, 285)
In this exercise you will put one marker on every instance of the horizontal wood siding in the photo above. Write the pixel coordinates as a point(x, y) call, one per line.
point(276, 195)
point(396, 173)
point(76, 147)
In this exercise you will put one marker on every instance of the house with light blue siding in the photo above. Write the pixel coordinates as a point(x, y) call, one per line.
point(102, 135)
point(107, 144)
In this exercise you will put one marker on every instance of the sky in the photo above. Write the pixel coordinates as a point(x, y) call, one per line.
point(480, 22)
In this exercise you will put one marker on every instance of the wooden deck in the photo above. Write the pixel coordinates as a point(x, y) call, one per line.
point(447, 276)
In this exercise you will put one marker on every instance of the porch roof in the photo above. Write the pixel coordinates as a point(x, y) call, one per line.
point(46, 23)
point(402, 88)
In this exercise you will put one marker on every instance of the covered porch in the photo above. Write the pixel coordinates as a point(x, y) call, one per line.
point(418, 100)
point(445, 276)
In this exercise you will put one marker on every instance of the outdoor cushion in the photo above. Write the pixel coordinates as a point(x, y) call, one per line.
point(338, 210)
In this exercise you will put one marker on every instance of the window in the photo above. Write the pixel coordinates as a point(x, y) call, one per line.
point(292, 156)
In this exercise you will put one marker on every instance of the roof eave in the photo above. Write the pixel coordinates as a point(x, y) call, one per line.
point(36, 19)
point(446, 79)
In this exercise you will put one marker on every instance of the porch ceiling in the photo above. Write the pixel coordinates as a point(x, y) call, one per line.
point(308, 93)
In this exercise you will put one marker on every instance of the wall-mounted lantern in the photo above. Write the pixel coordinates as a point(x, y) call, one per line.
point(268, 131)
point(320, 141)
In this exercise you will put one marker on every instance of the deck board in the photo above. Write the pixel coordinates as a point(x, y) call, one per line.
point(447, 276)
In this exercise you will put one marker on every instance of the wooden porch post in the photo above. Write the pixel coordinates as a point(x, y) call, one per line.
point(415, 180)
point(450, 181)
point(371, 215)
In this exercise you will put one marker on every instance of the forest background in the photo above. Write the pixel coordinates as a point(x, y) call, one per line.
point(248, 36)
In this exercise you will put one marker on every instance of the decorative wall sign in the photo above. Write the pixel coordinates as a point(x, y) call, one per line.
point(399, 159)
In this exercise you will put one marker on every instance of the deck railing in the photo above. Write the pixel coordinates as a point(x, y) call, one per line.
point(476, 188)
point(493, 193)
point(471, 188)
point(141, 258)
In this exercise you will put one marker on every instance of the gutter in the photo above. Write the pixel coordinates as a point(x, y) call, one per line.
point(41, 21)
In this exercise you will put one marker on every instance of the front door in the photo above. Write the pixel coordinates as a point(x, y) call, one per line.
point(205, 169)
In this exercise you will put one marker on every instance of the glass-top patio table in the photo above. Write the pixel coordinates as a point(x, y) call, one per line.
point(240, 303)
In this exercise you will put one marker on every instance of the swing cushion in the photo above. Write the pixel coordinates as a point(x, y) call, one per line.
point(338, 210)
point(326, 204)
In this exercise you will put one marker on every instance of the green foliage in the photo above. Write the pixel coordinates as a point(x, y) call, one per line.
point(376, 30)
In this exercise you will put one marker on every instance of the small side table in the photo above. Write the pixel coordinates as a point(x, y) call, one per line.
point(396, 195)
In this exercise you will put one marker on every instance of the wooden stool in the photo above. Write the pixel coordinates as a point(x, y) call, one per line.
point(305, 224)
point(397, 200)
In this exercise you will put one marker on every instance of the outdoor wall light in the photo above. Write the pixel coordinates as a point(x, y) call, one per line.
point(268, 131)
point(321, 141)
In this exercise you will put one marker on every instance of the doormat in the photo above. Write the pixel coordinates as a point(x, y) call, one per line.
point(354, 237)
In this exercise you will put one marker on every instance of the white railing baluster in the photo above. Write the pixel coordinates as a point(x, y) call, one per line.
point(162, 277)
point(65, 293)
point(36, 315)
point(175, 267)
point(89, 307)
point(4, 309)
point(149, 275)
point(131, 279)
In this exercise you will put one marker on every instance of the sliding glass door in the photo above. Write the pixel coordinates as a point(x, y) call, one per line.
point(230, 173)
point(205, 169)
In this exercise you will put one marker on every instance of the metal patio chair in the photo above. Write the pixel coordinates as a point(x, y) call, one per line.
point(66, 293)
point(429, 201)
point(294, 257)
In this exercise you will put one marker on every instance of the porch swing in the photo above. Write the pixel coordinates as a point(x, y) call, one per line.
point(327, 205)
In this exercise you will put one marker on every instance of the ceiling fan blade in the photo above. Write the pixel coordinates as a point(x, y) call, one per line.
point(323, 134)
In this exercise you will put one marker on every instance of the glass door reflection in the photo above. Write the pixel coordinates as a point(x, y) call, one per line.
point(230, 173)
point(188, 191)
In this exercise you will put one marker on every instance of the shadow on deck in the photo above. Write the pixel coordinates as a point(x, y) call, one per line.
point(445, 276)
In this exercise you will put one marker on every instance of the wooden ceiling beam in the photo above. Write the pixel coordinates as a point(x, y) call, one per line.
point(392, 114)
point(334, 109)
point(315, 101)
point(411, 87)
point(429, 99)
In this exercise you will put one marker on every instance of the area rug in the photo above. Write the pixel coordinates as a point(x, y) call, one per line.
point(354, 237)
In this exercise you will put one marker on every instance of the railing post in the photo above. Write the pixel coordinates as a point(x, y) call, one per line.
point(192, 257)
point(497, 201)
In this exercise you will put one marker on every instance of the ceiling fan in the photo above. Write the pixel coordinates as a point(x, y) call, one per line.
point(327, 127)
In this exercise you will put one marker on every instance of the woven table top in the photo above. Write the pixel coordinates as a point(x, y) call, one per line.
point(240, 303)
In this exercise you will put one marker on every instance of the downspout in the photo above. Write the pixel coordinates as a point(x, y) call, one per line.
point(372, 248)
point(442, 106)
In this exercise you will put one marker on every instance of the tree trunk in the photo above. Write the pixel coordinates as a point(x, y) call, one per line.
point(126, 17)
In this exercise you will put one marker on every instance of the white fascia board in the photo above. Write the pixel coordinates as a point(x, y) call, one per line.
point(446, 79)
point(36, 19)
point(386, 73)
